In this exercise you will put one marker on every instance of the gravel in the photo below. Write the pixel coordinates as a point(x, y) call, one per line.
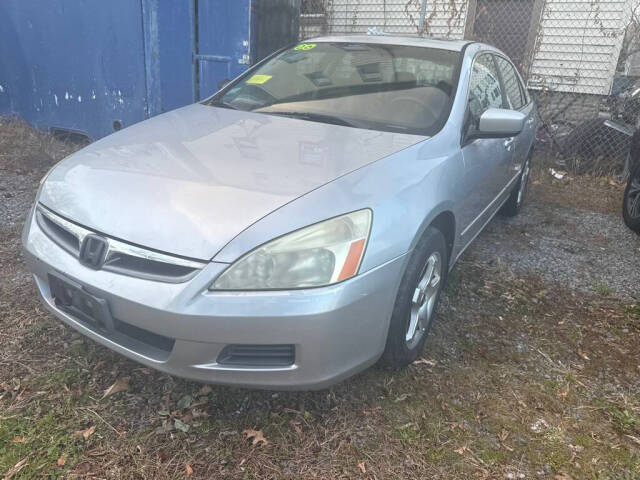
point(26, 154)
point(17, 192)
point(587, 251)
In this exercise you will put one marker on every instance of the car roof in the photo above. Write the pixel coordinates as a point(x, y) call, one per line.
point(453, 45)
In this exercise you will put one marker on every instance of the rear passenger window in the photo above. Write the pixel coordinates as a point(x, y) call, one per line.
point(512, 85)
point(484, 87)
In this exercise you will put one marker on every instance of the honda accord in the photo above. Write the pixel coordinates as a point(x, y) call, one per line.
point(297, 226)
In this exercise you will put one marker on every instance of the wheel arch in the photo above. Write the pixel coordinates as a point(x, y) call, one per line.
point(446, 223)
point(444, 220)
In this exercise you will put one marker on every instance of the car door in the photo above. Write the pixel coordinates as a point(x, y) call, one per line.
point(487, 161)
point(518, 99)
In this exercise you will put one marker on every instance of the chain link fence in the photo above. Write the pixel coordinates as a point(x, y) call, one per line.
point(579, 59)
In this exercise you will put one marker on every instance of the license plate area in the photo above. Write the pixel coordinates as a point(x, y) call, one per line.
point(72, 299)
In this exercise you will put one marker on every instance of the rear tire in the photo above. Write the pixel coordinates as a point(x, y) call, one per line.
point(513, 205)
point(417, 299)
point(631, 201)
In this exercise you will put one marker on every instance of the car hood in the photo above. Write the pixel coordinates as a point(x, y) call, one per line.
point(188, 181)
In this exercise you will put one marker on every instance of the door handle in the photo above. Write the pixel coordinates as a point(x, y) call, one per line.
point(508, 144)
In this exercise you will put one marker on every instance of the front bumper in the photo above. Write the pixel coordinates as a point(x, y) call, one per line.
point(336, 331)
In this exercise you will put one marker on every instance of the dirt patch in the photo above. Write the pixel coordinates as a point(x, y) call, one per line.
point(584, 192)
point(525, 375)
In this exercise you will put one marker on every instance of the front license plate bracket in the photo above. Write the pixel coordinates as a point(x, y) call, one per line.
point(72, 298)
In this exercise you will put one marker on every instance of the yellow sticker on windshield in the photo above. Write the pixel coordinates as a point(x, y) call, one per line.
point(305, 46)
point(259, 79)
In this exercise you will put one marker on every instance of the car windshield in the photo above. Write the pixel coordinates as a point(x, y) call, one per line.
point(394, 88)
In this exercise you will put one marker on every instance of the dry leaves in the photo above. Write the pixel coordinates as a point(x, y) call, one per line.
point(425, 361)
point(163, 455)
point(540, 425)
point(185, 402)
point(180, 425)
point(206, 390)
point(188, 469)
point(256, 435)
point(461, 450)
point(85, 433)
point(583, 355)
point(62, 461)
point(120, 385)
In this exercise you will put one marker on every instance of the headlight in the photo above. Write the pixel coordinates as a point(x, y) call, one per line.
point(322, 254)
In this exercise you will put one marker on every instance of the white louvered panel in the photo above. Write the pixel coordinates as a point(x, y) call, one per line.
point(578, 45)
point(444, 18)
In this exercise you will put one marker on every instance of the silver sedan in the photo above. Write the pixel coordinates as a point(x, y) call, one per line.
point(297, 226)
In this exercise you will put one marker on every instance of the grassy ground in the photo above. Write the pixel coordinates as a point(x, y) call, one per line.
point(519, 379)
point(591, 192)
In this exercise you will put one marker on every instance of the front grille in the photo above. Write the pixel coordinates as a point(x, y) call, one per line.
point(58, 234)
point(121, 257)
point(257, 355)
point(123, 263)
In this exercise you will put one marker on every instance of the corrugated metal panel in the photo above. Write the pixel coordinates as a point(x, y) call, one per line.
point(578, 45)
point(60, 67)
point(94, 66)
point(223, 42)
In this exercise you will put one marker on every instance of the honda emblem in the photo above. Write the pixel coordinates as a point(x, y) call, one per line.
point(93, 251)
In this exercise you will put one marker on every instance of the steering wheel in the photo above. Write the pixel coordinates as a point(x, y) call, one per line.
point(399, 104)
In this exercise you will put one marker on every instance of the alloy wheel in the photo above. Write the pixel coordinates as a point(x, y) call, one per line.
point(633, 197)
point(424, 299)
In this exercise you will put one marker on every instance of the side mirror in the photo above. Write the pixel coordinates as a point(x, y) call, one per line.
point(498, 123)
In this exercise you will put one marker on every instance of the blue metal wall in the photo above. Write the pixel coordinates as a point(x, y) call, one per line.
point(168, 30)
point(82, 65)
point(224, 37)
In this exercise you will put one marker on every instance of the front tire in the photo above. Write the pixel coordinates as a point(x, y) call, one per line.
point(513, 205)
point(417, 300)
point(631, 201)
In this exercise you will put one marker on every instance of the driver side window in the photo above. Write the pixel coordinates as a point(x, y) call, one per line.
point(484, 87)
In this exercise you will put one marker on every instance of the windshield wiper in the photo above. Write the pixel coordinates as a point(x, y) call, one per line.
point(219, 103)
point(313, 117)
